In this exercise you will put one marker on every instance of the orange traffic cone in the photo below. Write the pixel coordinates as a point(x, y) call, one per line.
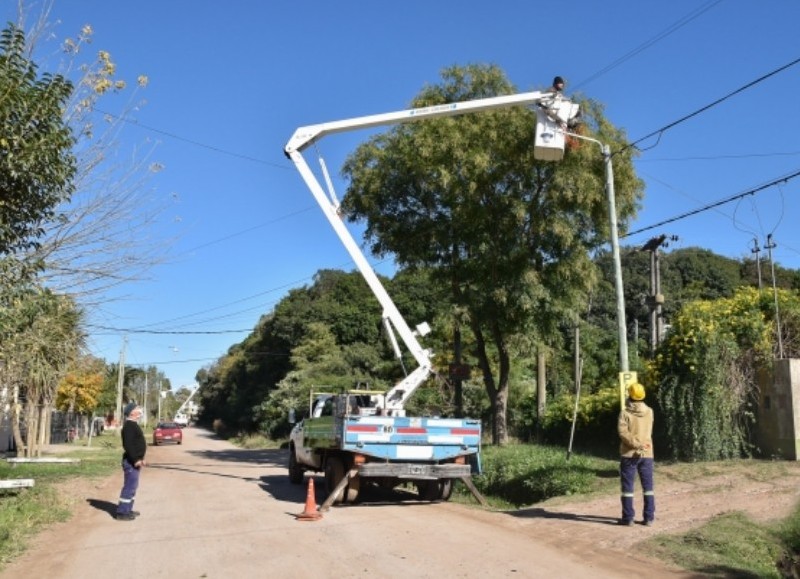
point(310, 513)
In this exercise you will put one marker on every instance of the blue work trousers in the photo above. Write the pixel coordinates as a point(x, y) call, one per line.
point(129, 486)
point(628, 469)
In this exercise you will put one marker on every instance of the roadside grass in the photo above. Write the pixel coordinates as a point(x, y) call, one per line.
point(24, 512)
point(256, 442)
point(729, 545)
point(522, 474)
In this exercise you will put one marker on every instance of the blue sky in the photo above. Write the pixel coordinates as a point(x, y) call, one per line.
point(229, 82)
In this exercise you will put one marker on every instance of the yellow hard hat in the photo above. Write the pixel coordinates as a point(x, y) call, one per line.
point(636, 391)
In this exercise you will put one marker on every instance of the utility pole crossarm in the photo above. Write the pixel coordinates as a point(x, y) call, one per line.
point(305, 136)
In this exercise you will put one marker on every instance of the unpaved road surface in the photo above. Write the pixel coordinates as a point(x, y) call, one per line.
point(211, 510)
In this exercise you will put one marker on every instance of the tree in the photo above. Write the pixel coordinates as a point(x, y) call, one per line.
point(40, 339)
point(37, 165)
point(80, 389)
point(98, 238)
point(508, 235)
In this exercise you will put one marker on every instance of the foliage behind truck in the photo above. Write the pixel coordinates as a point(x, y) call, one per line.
point(361, 435)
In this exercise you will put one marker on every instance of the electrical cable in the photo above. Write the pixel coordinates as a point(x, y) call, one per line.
point(685, 118)
point(753, 191)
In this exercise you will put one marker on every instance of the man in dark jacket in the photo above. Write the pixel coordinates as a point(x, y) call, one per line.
point(635, 428)
point(135, 447)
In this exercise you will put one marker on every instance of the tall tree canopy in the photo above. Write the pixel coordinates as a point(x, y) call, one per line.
point(510, 236)
point(36, 160)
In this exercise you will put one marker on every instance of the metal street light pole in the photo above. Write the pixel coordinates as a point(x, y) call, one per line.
point(624, 368)
point(612, 216)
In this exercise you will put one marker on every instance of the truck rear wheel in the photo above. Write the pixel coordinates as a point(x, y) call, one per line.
point(295, 470)
point(435, 490)
point(334, 473)
point(446, 486)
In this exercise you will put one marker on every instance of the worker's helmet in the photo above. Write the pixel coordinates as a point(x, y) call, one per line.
point(636, 391)
point(558, 80)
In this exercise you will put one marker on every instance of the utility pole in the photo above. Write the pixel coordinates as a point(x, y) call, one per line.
point(655, 300)
point(770, 245)
point(120, 382)
point(144, 400)
point(757, 250)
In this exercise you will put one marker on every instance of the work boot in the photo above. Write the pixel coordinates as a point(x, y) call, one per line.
point(125, 517)
point(625, 522)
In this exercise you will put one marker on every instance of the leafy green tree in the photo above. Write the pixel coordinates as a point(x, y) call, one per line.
point(41, 337)
point(508, 235)
point(36, 160)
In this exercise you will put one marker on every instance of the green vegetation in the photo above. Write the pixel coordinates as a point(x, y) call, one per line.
point(730, 545)
point(520, 475)
point(25, 512)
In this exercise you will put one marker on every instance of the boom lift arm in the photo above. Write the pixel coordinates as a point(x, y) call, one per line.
point(553, 110)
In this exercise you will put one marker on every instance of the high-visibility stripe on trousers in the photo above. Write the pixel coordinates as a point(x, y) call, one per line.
point(129, 486)
point(628, 469)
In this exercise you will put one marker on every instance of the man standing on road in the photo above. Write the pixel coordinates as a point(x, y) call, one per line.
point(635, 428)
point(135, 447)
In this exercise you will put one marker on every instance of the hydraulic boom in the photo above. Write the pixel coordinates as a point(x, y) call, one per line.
point(554, 112)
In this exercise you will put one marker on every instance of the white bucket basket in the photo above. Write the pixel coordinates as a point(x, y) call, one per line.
point(549, 142)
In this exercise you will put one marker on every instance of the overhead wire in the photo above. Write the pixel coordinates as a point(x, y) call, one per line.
point(720, 100)
point(680, 23)
point(666, 32)
point(715, 204)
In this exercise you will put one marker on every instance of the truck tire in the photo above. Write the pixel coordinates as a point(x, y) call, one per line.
point(446, 486)
point(428, 490)
point(353, 489)
point(295, 470)
point(435, 490)
point(334, 473)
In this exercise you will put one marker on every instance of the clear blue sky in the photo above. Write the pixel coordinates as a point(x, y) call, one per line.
point(230, 81)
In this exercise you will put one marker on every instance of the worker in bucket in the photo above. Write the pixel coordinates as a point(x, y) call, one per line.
point(635, 428)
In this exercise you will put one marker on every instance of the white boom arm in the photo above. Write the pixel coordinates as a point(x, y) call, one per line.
point(186, 402)
point(553, 110)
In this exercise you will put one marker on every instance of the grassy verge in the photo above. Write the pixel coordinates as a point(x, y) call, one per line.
point(520, 475)
point(730, 545)
point(27, 511)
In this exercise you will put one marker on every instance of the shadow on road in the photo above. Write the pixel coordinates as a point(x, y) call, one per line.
point(539, 513)
point(105, 506)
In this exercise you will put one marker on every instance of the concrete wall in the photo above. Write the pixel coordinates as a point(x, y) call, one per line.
point(779, 411)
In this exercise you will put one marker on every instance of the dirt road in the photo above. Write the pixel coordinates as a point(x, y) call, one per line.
point(211, 510)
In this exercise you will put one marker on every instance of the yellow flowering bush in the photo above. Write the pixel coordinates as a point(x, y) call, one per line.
point(705, 370)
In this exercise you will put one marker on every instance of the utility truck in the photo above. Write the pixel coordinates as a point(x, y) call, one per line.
point(361, 435)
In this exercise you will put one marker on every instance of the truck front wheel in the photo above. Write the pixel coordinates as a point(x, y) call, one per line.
point(295, 470)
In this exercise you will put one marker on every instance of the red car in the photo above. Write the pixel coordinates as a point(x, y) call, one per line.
point(167, 432)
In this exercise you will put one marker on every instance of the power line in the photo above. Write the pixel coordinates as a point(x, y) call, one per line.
point(169, 332)
point(750, 84)
point(753, 191)
point(192, 142)
point(680, 23)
